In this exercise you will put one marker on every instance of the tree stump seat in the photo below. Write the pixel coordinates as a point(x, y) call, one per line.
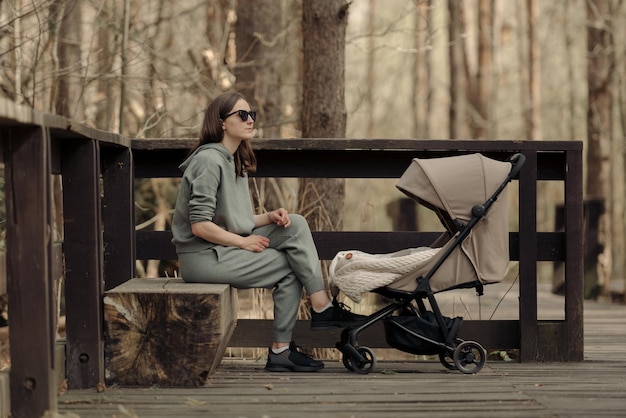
point(166, 332)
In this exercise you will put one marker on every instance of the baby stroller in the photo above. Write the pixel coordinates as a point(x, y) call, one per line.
point(468, 193)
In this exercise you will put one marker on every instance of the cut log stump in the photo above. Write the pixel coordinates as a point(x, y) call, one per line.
point(166, 332)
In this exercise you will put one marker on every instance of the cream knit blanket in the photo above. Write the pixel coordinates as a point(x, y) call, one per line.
point(355, 272)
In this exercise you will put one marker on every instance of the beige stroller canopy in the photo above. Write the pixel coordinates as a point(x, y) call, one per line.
point(451, 186)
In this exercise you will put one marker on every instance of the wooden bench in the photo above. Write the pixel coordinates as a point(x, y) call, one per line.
point(166, 332)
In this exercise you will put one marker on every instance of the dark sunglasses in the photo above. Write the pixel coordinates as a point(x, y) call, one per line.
point(243, 114)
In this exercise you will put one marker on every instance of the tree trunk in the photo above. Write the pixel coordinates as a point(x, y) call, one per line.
point(619, 180)
point(571, 51)
point(618, 202)
point(104, 39)
point(422, 88)
point(601, 63)
point(218, 27)
point(534, 71)
point(149, 124)
point(166, 332)
point(68, 52)
point(123, 66)
point(529, 68)
point(481, 122)
point(324, 110)
point(260, 37)
point(458, 80)
point(370, 68)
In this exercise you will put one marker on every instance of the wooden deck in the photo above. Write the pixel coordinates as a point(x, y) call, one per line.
point(100, 244)
point(241, 388)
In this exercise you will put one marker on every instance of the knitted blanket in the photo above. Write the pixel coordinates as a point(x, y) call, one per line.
point(356, 272)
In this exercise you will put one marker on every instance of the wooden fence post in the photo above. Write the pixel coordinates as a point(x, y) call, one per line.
point(118, 215)
point(83, 258)
point(529, 332)
point(29, 270)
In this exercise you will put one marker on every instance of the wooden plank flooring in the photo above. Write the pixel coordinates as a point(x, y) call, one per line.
point(241, 388)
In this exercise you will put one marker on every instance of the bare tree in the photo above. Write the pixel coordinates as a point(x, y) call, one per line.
point(370, 68)
point(619, 160)
point(422, 88)
point(105, 41)
point(530, 68)
point(458, 80)
point(323, 108)
point(601, 67)
point(263, 33)
point(480, 93)
point(533, 117)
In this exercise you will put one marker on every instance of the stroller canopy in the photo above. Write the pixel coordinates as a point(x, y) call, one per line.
point(451, 186)
point(454, 184)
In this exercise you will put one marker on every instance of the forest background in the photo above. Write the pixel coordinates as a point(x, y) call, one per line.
point(436, 69)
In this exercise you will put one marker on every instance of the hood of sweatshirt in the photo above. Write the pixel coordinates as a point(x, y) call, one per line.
point(215, 145)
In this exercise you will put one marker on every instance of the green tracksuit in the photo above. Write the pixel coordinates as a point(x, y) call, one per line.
point(211, 191)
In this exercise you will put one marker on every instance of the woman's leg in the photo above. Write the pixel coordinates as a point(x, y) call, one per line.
point(296, 242)
point(247, 270)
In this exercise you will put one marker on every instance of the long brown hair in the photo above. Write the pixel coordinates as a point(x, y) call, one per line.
point(212, 132)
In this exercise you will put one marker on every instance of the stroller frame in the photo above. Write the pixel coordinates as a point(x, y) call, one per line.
point(468, 357)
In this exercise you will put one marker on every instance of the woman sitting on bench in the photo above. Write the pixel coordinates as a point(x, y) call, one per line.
point(219, 239)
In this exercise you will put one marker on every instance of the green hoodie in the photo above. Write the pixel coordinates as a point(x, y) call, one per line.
point(210, 190)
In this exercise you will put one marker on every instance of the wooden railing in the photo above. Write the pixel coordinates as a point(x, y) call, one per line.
point(98, 238)
point(99, 247)
point(352, 158)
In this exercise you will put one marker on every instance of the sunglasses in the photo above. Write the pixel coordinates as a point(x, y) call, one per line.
point(243, 114)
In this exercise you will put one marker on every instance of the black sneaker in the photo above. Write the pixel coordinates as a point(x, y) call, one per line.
point(292, 360)
point(337, 316)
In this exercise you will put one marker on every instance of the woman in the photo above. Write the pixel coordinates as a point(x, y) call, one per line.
point(219, 239)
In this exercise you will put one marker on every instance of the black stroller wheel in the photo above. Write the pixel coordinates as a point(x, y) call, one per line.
point(347, 362)
point(447, 359)
point(363, 361)
point(469, 357)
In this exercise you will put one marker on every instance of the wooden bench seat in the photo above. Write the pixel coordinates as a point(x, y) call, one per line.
point(166, 332)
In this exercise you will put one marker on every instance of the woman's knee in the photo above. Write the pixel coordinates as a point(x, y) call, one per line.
point(298, 221)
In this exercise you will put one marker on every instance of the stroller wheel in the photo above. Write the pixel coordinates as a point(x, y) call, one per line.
point(469, 357)
point(447, 359)
point(347, 362)
point(359, 359)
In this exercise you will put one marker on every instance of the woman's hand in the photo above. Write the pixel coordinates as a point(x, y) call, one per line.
point(211, 232)
point(280, 217)
point(255, 243)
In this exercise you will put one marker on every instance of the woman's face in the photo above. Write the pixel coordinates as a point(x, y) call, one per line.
point(233, 124)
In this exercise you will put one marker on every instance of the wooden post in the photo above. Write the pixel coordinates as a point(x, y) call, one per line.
point(118, 209)
point(403, 214)
point(528, 259)
point(83, 260)
point(30, 282)
point(574, 265)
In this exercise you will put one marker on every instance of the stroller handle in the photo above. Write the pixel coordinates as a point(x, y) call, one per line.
point(518, 161)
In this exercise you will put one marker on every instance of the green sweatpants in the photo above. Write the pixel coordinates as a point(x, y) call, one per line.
point(289, 264)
